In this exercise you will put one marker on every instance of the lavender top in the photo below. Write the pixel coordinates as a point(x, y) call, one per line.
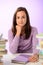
point(18, 44)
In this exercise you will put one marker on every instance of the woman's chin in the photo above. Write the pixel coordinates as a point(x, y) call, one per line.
point(21, 25)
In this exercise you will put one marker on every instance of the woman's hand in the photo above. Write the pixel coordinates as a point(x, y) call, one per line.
point(34, 58)
point(18, 28)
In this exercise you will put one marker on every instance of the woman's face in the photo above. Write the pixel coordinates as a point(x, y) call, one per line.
point(21, 18)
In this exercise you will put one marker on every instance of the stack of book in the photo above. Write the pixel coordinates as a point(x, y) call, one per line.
point(40, 47)
point(2, 48)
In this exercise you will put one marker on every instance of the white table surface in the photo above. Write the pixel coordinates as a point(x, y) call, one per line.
point(8, 57)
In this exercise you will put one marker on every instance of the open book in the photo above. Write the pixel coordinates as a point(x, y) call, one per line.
point(22, 58)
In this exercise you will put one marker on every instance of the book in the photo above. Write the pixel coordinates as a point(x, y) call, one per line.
point(21, 59)
point(3, 52)
point(2, 49)
point(3, 40)
point(39, 35)
point(2, 46)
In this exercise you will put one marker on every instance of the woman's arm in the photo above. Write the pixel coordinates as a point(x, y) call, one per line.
point(13, 42)
point(35, 56)
point(35, 41)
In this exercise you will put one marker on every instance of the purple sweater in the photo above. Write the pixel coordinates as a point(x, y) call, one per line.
point(18, 44)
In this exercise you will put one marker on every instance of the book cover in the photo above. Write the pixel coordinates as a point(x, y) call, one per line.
point(22, 59)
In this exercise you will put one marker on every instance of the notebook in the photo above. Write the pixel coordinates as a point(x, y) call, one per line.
point(22, 59)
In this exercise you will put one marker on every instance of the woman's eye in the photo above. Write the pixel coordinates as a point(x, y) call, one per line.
point(18, 17)
point(23, 17)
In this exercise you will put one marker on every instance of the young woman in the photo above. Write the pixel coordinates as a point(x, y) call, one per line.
point(22, 36)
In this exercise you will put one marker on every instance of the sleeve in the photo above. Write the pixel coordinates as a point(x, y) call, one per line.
point(13, 42)
point(35, 41)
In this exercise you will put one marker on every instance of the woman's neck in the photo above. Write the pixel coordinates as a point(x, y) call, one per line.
point(23, 31)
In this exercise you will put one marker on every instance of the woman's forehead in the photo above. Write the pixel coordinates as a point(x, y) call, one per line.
point(21, 13)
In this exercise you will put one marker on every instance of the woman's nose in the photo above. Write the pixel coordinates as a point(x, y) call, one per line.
point(21, 18)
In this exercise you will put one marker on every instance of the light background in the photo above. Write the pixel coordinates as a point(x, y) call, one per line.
point(8, 7)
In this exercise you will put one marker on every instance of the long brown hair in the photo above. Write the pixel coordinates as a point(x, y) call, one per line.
point(27, 25)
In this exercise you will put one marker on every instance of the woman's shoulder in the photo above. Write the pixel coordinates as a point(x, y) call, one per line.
point(10, 31)
point(34, 30)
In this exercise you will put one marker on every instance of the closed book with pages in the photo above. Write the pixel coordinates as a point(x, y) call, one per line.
point(22, 59)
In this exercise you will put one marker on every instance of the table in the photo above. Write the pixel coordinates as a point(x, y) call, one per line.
point(7, 60)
